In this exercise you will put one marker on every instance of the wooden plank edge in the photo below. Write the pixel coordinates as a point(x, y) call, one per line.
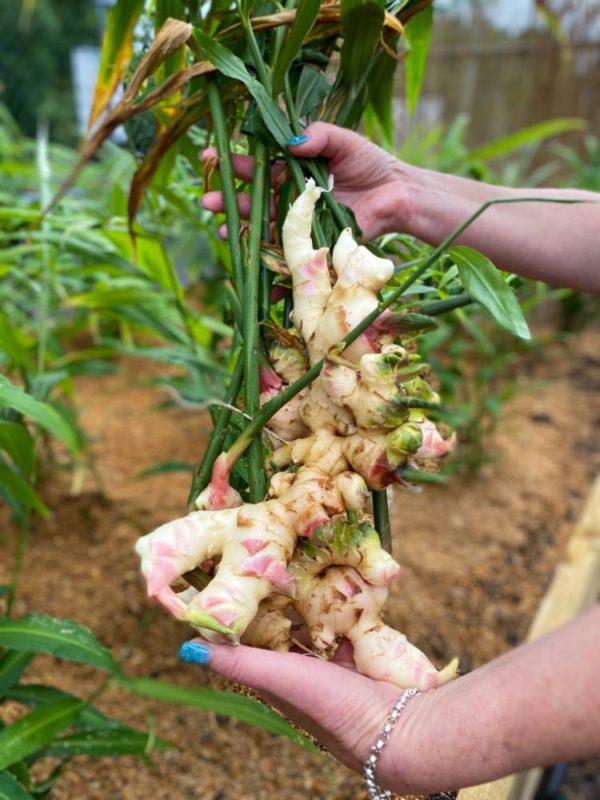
point(574, 587)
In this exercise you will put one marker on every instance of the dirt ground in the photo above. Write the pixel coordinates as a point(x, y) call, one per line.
point(478, 554)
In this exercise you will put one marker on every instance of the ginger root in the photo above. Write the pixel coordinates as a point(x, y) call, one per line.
point(309, 553)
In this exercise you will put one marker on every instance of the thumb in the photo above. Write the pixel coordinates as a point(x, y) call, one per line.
point(324, 139)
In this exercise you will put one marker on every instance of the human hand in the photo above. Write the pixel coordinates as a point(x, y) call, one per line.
point(374, 184)
point(343, 710)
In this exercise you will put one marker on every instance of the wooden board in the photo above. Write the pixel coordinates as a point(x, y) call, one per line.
point(575, 586)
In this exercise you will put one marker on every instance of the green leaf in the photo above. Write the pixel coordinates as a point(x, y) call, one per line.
point(12, 665)
point(227, 704)
point(35, 730)
point(111, 297)
point(381, 94)
point(418, 37)
point(21, 490)
point(117, 49)
point(12, 396)
point(11, 789)
point(486, 285)
point(306, 14)
point(15, 344)
point(362, 23)
point(531, 135)
point(313, 88)
point(233, 67)
point(16, 441)
point(116, 742)
point(164, 467)
point(34, 695)
point(63, 638)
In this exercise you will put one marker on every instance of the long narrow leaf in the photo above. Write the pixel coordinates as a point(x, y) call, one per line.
point(533, 134)
point(35, 730)
point(34, 695)
point(362, 23)
point(102, 743)
point(117, 48)
point(16, 440)
point(11, 789)
point(418, 36)
point(12, 396)
point(306, 15)
point(21, 490)
point(233, 67)
point(64, 638)
point(12, 666)
point(485, 284)
point(227, 704)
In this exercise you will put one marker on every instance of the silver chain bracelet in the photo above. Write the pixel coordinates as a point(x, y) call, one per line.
point(375, 793)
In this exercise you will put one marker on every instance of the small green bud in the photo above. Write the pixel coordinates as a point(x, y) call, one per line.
point(421, 389)
point(402, 442)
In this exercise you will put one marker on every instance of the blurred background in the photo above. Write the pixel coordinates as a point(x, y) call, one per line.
point(495, 66)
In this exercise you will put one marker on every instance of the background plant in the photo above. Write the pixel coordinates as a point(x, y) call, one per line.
point(77, 294)
point(56, 324)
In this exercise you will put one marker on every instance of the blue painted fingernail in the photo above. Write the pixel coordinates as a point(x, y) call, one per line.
point(194, 653)
point(296, 140)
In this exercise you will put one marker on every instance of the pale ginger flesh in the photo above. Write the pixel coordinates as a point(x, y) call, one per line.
point(309, 552)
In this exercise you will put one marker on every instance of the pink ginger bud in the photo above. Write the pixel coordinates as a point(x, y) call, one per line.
point(433, 445)
point(219, 494)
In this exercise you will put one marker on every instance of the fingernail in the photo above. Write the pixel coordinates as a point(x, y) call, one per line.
point(194, 653)
point(297, 140)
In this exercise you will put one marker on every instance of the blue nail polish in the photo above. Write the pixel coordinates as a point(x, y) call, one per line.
point(194, 653)
point(297, 140)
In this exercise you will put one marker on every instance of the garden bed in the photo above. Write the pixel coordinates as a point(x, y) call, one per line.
point(478, 555)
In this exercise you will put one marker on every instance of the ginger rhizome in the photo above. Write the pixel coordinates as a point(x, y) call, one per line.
point(308, 555)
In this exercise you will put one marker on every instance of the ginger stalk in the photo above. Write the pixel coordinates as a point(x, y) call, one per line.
point(308, 554)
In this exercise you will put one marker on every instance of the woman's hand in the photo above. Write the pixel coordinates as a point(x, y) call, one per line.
point(530, 707)
point(343, 710)
point(373, 183)
point(553, 242)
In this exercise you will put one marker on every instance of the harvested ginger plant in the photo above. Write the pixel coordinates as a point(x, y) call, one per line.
point(309, 555)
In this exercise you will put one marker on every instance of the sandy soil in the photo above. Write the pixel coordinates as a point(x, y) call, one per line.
point(478, 554)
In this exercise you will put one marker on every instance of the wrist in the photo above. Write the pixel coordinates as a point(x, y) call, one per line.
point(405, 766)
point(405, 199)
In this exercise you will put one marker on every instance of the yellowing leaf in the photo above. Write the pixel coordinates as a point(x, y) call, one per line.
point(117, 47)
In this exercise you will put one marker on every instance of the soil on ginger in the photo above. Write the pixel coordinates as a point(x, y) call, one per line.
point(477, 553)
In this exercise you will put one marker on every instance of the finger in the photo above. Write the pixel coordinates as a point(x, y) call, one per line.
point(329, 141)
point(213, 201)
point(243, 166)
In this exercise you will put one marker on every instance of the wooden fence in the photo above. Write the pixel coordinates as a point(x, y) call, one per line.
point(506, 85)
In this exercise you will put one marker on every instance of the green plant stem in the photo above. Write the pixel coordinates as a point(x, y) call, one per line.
point(443, 306)
point(266, 276)
point(227, 183)
point(251, 335)
point(197, 578)
point(257, 57)
point(381, 517)
point(339, 215)
point(273, 406)
point(419, 476)
point(202, 477)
